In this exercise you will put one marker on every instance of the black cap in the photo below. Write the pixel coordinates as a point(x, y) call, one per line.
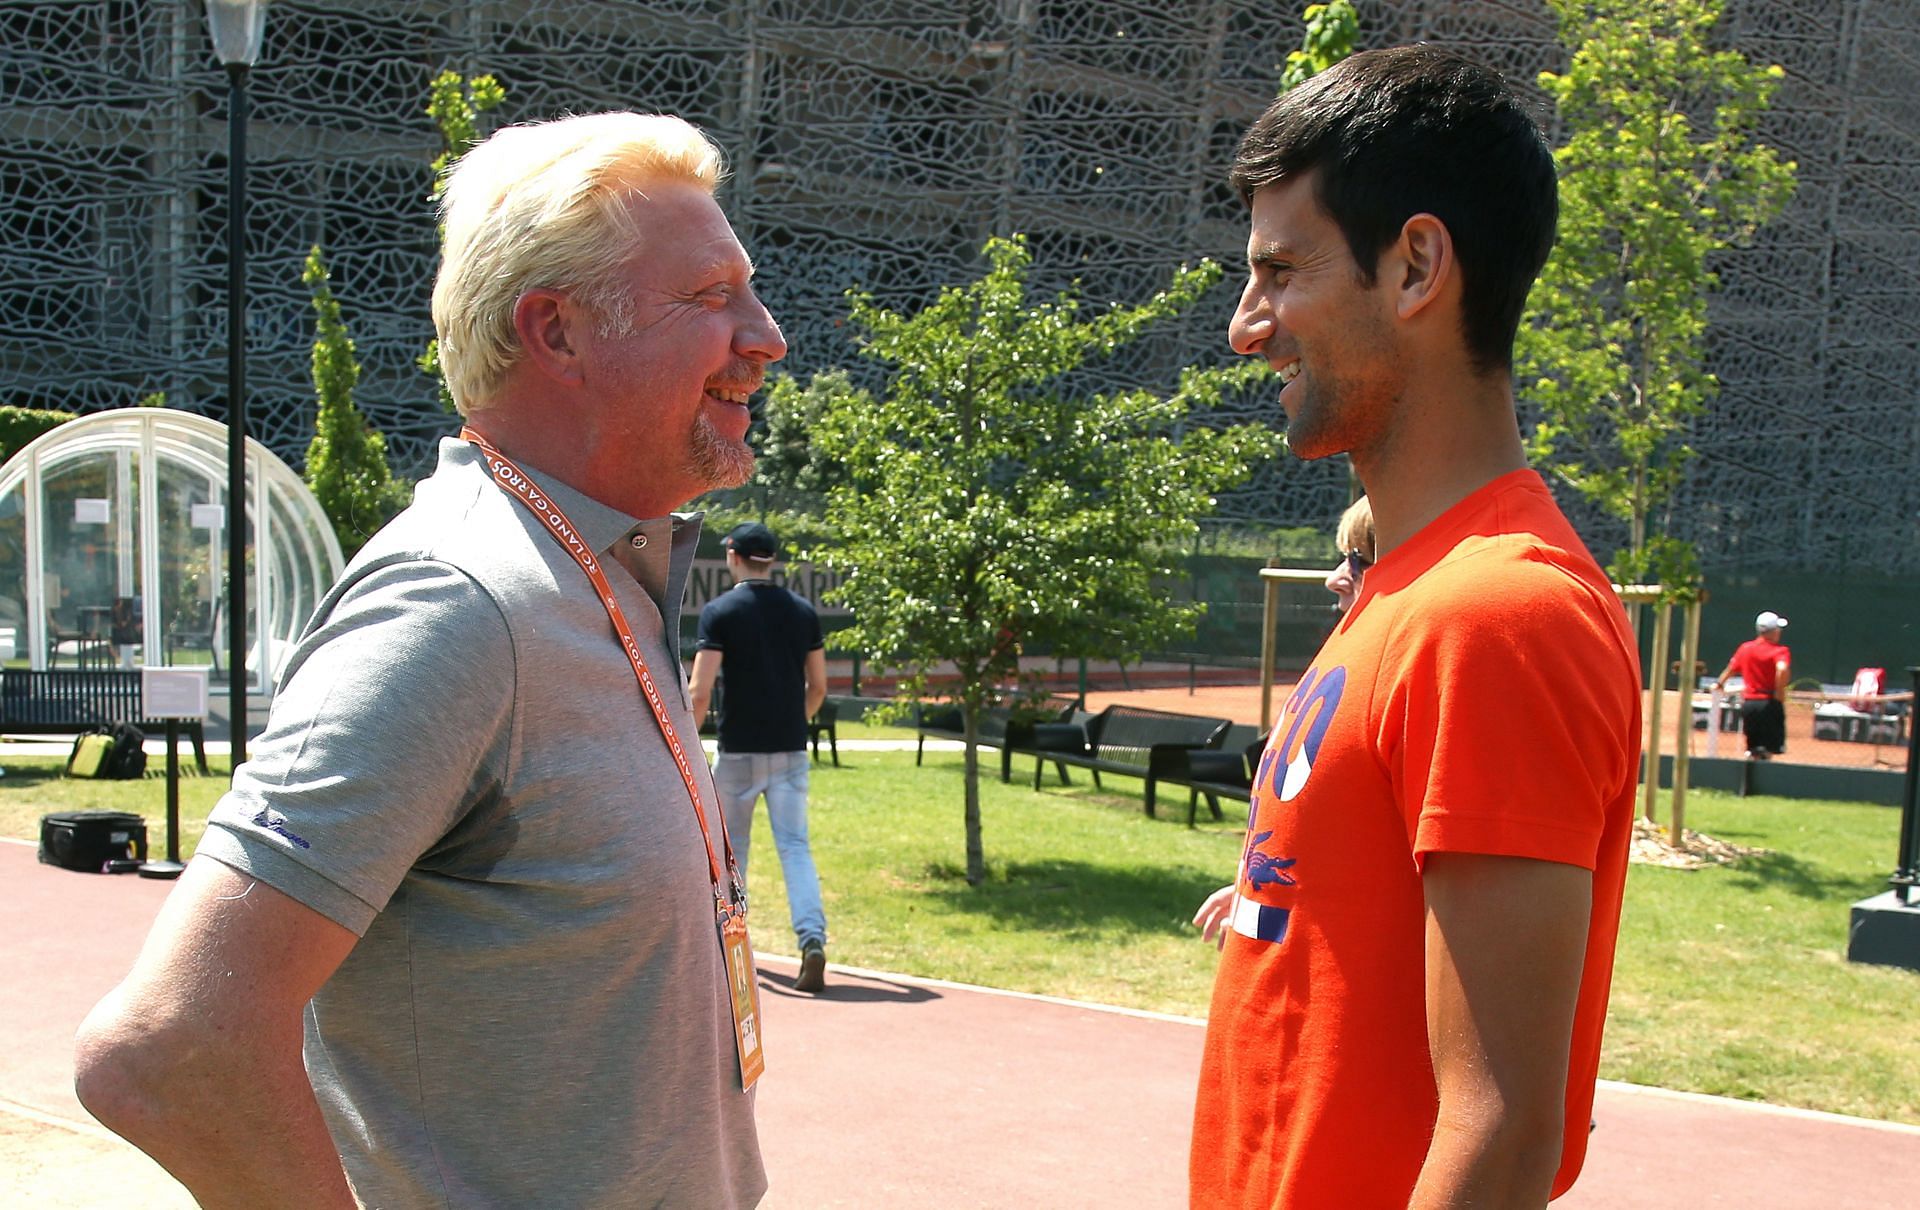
point(751, 540)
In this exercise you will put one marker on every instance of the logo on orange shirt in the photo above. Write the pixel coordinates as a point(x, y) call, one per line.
point(1284, 770)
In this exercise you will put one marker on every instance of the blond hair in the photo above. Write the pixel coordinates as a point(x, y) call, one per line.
point(1356, 529)
point(543, 205)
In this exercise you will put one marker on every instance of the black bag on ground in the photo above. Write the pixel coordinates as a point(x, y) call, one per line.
point(114, 751)
point(87, 840)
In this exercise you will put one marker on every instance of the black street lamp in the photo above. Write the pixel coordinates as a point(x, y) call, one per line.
point(236, 26)
point(1906, 872)
point(1886, 928)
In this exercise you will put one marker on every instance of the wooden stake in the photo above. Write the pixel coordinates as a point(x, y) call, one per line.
point(1662, 623)
point(1683, 728)
point(1269, 618)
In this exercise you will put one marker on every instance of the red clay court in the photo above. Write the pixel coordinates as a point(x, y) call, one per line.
point(1241, 703)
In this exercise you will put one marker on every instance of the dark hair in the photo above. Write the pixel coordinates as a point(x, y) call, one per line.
point(1411, 130)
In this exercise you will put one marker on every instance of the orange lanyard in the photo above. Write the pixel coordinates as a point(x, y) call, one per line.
point(521, 488)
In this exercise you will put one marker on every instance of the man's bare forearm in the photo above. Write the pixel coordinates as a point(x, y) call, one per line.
point(816, 678)
point(195, 1058)
point(1495, 1164)
point(236, 1123)
point(1506, 937)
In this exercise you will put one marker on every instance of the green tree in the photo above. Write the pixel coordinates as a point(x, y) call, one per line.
point(989, 504)
point(455, 104)
point(790, 469)
point(1660, 173)
point(346, 460)
point(19, 427)
point(1332, 29)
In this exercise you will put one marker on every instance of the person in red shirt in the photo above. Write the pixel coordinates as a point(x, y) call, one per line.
point(1764, 666)
point(1418, 947)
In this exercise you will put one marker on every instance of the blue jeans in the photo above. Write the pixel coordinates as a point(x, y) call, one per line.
point(741, 778)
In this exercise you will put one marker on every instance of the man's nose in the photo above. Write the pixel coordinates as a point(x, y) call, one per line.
point(1252, 323)
point(760, 338)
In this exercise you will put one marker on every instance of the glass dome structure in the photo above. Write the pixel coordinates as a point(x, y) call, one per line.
point(113, 548)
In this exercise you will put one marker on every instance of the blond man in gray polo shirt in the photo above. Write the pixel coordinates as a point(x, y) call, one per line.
point(451, 938)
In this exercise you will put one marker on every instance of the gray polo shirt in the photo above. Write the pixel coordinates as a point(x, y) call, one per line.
point(459, 767)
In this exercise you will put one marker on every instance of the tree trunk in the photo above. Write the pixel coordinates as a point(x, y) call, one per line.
point(976, 857)
point(1637, 508)
point(1637, 535)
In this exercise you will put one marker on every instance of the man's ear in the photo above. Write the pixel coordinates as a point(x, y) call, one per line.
point(1421, 264)
point(547, 323)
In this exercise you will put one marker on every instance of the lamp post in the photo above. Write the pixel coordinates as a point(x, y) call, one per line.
point(236, 26)
point(1906, 873)
point(1886, 928)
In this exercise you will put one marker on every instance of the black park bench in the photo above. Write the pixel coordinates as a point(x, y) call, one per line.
point(1216, 773)
point(1008, 728)
point(67, 701)
point(1149, 744)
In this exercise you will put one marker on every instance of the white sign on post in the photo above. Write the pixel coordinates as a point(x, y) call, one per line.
point(207, 516)
point(90, 511)
point(173, 692)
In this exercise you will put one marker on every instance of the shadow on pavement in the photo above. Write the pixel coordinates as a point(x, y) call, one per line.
point(867, 991)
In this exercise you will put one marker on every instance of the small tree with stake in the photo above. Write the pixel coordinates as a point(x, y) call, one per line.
point(1660, 173)
point(988, 504)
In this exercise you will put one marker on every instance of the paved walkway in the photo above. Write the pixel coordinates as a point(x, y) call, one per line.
point(891, 1091)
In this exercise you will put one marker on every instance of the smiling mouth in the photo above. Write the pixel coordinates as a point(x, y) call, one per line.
point(731, 395)
point(1289, 371)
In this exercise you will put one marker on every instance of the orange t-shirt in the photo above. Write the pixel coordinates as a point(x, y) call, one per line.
point(1757, 663)
point(1483, 696)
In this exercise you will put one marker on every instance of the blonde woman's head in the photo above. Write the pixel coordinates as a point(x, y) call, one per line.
point(1356, 529)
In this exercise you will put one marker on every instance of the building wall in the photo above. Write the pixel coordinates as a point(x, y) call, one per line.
point(876, 145)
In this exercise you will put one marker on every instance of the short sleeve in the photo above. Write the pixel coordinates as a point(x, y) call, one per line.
point(707, 634)
point(1512, 716)
point(815, 638)
point(393, 721)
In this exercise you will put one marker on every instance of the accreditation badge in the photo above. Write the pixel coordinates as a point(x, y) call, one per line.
point(744, 997)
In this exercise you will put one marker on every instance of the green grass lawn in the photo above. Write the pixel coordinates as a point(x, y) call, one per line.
point(1734, 980)
point(38, 785)
point(1085, 896)
point(1730, 980)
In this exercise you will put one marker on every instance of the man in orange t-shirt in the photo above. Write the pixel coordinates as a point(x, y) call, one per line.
point(1418, 947)
point(1764, 665)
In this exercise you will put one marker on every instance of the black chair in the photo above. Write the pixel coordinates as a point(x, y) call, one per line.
point(822, 723)
point(197, 634)
point(84, 636)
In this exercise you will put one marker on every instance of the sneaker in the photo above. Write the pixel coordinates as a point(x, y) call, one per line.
point(813, 968)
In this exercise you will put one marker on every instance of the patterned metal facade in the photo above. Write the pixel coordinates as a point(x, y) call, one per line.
point(876, 144)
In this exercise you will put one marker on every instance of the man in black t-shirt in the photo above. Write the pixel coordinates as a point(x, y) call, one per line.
point(764, 642)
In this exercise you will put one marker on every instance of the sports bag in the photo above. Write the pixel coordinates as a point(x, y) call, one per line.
point(112, 751)
point(88, 840)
